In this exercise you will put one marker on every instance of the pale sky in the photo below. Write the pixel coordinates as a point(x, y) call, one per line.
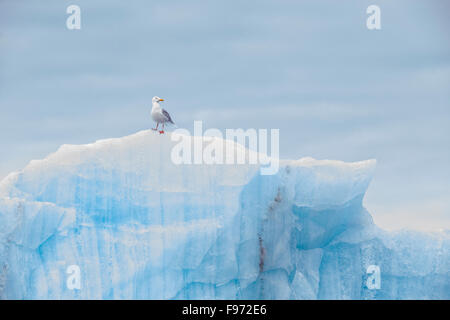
point(309, 68)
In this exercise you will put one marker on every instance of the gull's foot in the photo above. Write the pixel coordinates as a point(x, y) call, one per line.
point(161, 132)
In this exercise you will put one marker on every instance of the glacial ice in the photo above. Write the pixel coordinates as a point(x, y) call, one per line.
point(140, 227)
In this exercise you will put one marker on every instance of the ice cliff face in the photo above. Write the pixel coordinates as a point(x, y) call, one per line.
point(140, 227)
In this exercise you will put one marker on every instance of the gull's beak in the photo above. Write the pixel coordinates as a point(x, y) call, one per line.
point(161, 99)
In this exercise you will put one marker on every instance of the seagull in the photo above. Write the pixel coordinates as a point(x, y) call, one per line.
point(159, 115)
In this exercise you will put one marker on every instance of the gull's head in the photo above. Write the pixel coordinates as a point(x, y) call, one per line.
point(157, 99)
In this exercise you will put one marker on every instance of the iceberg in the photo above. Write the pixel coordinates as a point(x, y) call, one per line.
point(138, 226)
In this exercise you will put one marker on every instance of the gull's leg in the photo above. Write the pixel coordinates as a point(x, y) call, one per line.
point(157, 124)
point(162, 131)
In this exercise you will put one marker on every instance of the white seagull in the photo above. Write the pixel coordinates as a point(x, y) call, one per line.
point(159, 115)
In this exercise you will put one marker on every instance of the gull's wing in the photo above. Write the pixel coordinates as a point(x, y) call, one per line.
point(167, 115)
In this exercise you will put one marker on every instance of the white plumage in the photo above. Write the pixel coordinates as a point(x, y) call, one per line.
point(159, 115)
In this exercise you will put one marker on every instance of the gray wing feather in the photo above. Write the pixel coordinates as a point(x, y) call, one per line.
point(167, 115)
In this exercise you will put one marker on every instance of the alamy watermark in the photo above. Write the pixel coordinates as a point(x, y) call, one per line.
point(73, 21)
point(73, 281)
point(209, 147)
point(373, 281)
point(373, 21)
